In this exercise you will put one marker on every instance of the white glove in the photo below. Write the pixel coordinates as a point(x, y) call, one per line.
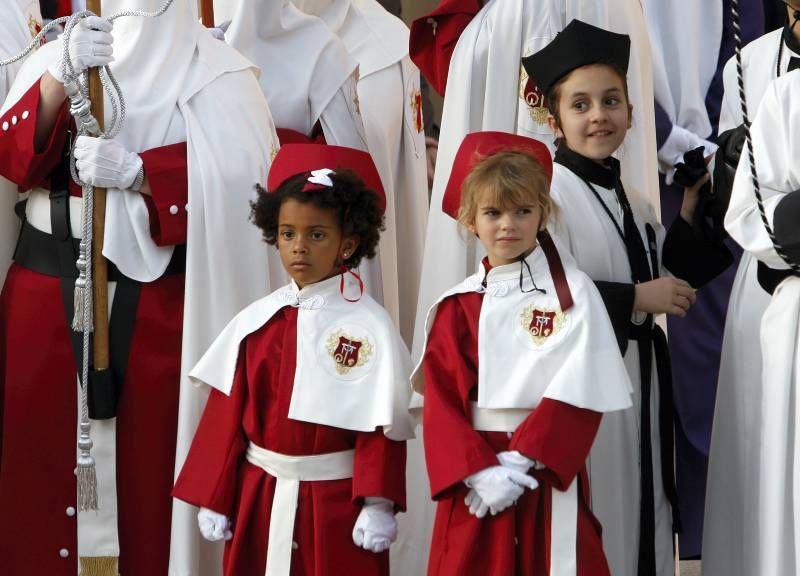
point(517, 461)
point(105, 163)
point(89, 46)
point(376, 526)
point(218, 32)
point(496, 488)
point(213, 525)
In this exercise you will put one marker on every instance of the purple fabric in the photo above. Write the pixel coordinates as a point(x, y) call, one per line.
point(696, 341)
point(663, 125)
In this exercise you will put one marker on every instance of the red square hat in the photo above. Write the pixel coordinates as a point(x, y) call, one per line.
point(434, 37)
point(294, 159)
point(477, 146)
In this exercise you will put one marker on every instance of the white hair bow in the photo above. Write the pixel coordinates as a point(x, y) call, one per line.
point(321, 177)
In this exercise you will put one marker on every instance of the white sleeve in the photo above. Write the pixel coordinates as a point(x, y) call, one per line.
point(776, 150)
point(730, 115)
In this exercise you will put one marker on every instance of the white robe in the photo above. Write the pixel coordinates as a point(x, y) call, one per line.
point(583, 227)
point(18, 19)
point(776, 146)
point(485, 92)
point(730, 528)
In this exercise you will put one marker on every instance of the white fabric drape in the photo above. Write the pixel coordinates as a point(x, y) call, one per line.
point(730, 531)
point(776, 149)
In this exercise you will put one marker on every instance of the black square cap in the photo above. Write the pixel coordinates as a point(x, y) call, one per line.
point(579, 44)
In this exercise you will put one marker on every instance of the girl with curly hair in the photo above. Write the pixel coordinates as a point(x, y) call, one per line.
point(299, 459)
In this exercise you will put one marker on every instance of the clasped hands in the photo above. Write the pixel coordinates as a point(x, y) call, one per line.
point(495, 488)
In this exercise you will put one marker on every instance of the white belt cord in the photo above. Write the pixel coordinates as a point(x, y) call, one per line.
point(289, 471)
point(564, 513)
point(497, 420)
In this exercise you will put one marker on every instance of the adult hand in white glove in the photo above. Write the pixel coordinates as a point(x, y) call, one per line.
point(89, 46)
point(213, 525)
point(376, 526)
point(105, 163)
point(496, 488)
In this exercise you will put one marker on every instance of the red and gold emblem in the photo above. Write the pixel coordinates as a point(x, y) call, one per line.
point(416, 109)
point(541, 323)
point(347, 352)
point(34, 25)
point(533, 98)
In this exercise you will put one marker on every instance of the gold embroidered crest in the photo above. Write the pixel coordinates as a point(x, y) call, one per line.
point(541, 323)
point(347, 352)
point(534, 99)
point(416, 109)
point(34, 25)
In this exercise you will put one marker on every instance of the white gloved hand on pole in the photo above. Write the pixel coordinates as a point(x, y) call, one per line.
point(496, 488)
point(376, 527)
point(89, 46)
point(105, 163)
point(213, 525)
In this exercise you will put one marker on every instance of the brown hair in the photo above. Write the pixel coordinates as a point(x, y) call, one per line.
point(554, 93)
point(510, 178)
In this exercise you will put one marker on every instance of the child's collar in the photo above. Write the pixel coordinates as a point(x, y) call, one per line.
point(605, 176)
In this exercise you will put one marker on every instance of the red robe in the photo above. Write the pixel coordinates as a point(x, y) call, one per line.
point(555, 434)
point(38, 399)
point(217, 476)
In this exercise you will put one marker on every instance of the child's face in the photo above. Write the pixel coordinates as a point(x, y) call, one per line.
point(310, 242)
point(507, 232)
point(595, 115)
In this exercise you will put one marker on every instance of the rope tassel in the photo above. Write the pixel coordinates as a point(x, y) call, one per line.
point(86, 472)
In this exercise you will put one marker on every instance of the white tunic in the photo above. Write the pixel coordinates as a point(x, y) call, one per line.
point(18, 22)
point(730, 528)
point(587, 232)
point(776, 146)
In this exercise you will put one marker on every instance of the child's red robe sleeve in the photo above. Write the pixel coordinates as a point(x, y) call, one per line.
point(559, 436)
point(453, 449)
point(209, 477)
point(379, 468)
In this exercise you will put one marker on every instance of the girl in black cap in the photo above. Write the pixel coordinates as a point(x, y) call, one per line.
point(617, 240)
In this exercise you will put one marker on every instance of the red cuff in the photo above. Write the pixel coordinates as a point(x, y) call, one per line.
point(168, 176)
point(380, 469)
point(19, 160)
point(559, 436)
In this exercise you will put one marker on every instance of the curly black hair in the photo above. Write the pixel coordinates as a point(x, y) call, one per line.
point(355, 204)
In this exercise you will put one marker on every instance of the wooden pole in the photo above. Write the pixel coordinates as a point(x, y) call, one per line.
point(99, 265)
point(207, 12)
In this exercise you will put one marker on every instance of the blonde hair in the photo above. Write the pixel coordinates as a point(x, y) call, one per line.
point(509, 178)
